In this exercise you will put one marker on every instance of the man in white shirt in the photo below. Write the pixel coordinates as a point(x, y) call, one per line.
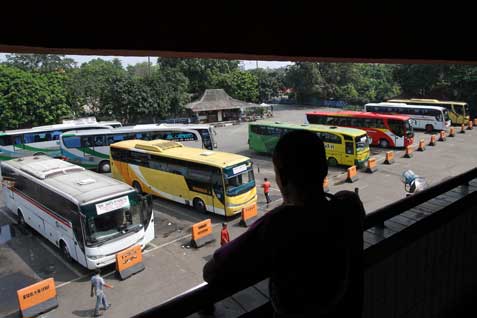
point(97, 284)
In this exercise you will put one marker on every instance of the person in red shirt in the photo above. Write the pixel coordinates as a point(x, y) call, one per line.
point(224, 235)
point(266, 189)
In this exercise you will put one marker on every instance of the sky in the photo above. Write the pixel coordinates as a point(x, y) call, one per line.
point(131, 60)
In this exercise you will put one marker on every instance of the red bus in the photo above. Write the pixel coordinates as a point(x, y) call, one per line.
point(384, 130)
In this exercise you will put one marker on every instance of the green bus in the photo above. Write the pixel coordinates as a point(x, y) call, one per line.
point(344, 146)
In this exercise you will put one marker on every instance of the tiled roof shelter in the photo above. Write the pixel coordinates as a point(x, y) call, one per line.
point(217, 99)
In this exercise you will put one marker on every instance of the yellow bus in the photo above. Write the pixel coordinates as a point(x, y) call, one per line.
point(458, 111)
point(344, 146)
point(218, 182)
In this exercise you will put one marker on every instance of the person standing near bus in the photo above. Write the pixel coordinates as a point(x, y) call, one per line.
point(224, 235)
point(266, 189)
point(97, 284)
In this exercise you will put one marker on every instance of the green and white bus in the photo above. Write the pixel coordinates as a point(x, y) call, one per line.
point(90, 148)
point(344, 146)
point(42, 140)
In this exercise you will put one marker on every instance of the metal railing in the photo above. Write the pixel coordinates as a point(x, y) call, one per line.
point(193, 301)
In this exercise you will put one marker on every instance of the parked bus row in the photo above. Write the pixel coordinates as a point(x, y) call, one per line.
point(42, 139)
point(90, 148)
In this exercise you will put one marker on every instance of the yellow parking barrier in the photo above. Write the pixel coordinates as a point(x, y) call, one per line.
point(38, 298)
point(326, 185)
point(389, 157)
point(421, 146)
point(442, 135)
point(352, 174)
point(452, 132)
point(249, 214)
point(409, 150)
point(372, 165)
point(202, 233)
point(129, 262)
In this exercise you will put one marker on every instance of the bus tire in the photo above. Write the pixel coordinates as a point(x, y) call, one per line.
point(20, 219)
point(137, 186)
point(199, 205)
point(383, 143)
point(429, 128)
point(104, 166)
point(332, 162)
point(39, 154)
point(64, 251)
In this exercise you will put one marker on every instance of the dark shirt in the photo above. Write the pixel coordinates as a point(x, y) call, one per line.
point(307, 254)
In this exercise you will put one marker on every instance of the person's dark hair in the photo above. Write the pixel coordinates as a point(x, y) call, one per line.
point(300, 159)
point(265, 179)
point(224, 224)
point(97, 271)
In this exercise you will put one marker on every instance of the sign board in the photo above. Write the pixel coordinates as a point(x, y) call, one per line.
point(111, 205)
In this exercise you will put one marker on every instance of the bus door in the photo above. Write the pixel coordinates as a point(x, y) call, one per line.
point(349, 153)
point(218, 195)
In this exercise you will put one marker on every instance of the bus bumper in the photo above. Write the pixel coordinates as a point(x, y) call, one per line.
point(361, 163)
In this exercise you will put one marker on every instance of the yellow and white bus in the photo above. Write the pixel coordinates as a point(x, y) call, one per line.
point(459, 112)
point(218, 182)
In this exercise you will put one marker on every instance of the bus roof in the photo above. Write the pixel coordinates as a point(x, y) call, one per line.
point(360, 114)
point(176, 150)
point(53, 128)
point(74, 182)
point(422, 100)
point(402, 105)
point(136, 128)
point(313, 127)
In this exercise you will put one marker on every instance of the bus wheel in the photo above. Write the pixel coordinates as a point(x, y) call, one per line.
point(383, 143)
point(104, 167)
point(137, 186)
point(39, 154)
point(332, 162)
point(21, 219)
point(429, 128)
point(65, 252)
point(199, 205)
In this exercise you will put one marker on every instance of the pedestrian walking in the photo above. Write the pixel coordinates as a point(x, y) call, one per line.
point(224, 235)
point(97, 284)
point(266, 189)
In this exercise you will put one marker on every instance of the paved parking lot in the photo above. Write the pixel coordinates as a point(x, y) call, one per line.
point(172, 266)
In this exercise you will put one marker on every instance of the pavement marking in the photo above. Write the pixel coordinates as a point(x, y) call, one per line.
point(70, 267)
point(152, 244)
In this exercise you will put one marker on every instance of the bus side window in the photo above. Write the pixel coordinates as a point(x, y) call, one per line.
point(158, 163)
point(72, 142)
point(87, 142)
point(5, 141)
point(17, 140)
point(99, 141)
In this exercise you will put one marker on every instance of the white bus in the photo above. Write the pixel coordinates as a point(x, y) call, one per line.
point(90, 148)
point(422, 116)
point(42, 139)
point(90, 217)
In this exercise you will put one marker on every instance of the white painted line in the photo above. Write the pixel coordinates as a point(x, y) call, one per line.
point(71, 281)
point(166, 244)
point(71, 268)
point(152, 244)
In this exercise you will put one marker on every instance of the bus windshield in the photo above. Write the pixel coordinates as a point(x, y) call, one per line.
point(446, 114)
point(112, 218)
point(239, 178)
point(362, 142)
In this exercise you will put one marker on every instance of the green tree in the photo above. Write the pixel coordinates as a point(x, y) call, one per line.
point(87, 84)
point(306, 80)
point(269, 82)
point(239, 84)
point(30, 99)
point(201, 73)
point(41, 62)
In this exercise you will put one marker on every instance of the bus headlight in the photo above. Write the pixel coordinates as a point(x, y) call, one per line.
point(94, 256)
